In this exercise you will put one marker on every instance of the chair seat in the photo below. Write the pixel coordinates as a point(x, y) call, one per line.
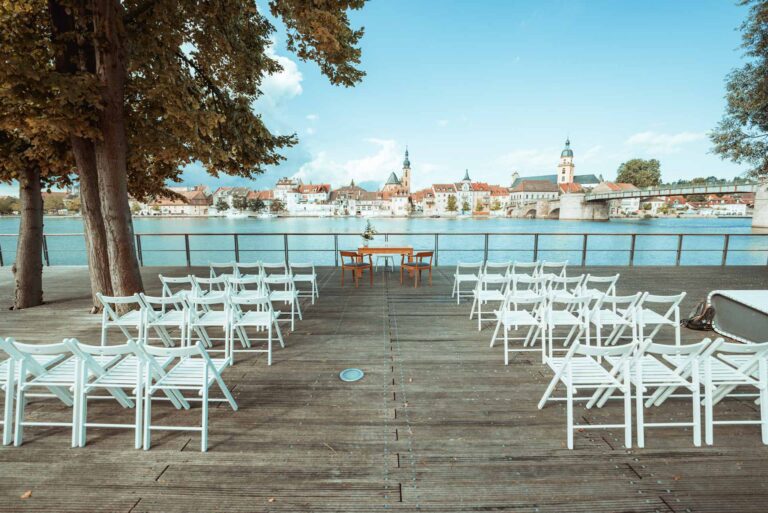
point(527, 293)
point(722, 373)
point(488, 295)
point(465, 277)
point(170, 318)
point(516, 318)
point(417, 264)
point(189, 373)
point(585, 372)
point(563, 318)
point(654, 371)
point(124, 372)
point(64, 373)
point(132, 318)
point(651, 317)
point(283, 295)
point(304, 277)
point(212, 318)
point(357, 264)
point(263, 318)
point(43, 359)
point(611, 318)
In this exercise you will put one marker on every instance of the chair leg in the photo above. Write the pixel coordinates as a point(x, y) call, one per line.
point(147, 418)
point(10, 391)
point(269, 345)
point(18, 432)
point(639, 412)
point(696, 405)
point(569, 415)
point(370, 271)
point(204, 432)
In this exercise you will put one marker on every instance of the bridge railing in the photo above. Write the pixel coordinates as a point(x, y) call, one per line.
point(594, 249)
point(674, 190)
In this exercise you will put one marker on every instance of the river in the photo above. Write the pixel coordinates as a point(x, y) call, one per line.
point(313, 242)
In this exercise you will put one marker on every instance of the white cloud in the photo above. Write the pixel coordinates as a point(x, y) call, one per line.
point(376, 166)
point(657, 142)
point(310, 131)
point(529, 162)
point(312, 117)
point(442, 122)
point(285, 84)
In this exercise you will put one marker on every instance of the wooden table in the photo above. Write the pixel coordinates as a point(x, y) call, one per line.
point(386, 250)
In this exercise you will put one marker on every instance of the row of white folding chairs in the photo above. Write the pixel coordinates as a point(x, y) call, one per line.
point(496, 287)
point(131, 374)
point(715, 370)
point(470, 272)
point(234, 314)
point(301, 272)
point(279, 288)
point(643, 314)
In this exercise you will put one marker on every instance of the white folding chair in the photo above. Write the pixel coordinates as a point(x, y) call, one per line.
point(524, 285)
point(9, 378)
point(517, 312)
point(557, 268)
point(126, 375)
point(209, 312)
point(113, 315)
point(247, 269)
point(529, 268)
point(735, 365)
point(657, 368)
point(567, 312)
point(388, 260)
point(466, 272)
point(489, 288)
point(172, 285)
point(581, 369)
point(164, 313)
point(274, 271)
point(251, 285)
point(567, 286)
point(617, 313)
point(305, 273)
point(195, 371)
point(254, 312)
point(670, 316)
point(288, 295)
point(65, 375)
point(596, 286)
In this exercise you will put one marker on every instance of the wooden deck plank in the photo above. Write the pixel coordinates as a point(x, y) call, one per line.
point(438, 424)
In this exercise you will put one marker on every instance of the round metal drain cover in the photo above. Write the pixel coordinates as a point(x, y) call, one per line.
point(351, 375)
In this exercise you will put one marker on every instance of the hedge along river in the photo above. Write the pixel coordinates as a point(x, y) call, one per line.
point(462, 239)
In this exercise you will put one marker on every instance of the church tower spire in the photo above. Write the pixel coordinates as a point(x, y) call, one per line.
point(406, 180)
point(566, 169)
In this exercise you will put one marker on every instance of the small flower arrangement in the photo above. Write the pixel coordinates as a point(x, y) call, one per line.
point(368, 233)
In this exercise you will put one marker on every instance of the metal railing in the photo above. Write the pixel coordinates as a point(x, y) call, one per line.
point(622, 249)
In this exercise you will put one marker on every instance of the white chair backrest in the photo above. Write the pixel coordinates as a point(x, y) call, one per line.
point(626, 303)
point(274, 268)
point(525, 267)
point(302, 266)
point(174, 284)
point(556, 268)
point(566, 283)
point(260, 303)
point(177, 301)
point(216, 284)
point(247, 268)
point(530, 303)
point(537, 284)
point(673, 302)
point(578, 305)
point(497, 267)
point(469, 267)
point(221, 269)
point(603, 284)
point(211, 302)
point(248, 283)
point(110, 305)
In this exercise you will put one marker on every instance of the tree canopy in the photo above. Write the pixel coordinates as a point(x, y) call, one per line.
point(640, 173)
point(742, 134)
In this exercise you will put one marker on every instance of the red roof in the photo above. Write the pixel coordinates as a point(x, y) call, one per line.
point(262, 195)
point(571, 187)
point(317, 188)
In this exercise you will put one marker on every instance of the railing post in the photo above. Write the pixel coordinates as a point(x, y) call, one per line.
point(485, 249)
point(138, 250)
point(726, 242)
point(632, 250)
point(336, 249)
point(45, 251)
point(285, 247)
point(679, 249)
point(536, 247)
point(237, 248)
point(584, 250)
point(186, 250)
point(437, 250)
point(1, 256)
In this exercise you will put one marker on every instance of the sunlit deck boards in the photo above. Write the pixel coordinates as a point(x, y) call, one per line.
point(438, 424)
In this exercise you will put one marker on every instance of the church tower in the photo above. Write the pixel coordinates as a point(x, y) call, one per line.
point(566, 169)
point(406, 180)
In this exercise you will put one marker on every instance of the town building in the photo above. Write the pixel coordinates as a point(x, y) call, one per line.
point(232, 197)
point(623, 206)
point(566, 172)
point(191, 201)
point(531, 191)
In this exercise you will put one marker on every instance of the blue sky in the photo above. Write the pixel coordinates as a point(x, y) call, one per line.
point(497, 85)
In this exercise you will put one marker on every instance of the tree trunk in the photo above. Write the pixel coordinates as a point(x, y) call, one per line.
point(111, 150)
point(95, 233)
point(28, 268)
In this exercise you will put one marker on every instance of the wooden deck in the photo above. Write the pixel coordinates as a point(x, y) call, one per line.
point(438, 423)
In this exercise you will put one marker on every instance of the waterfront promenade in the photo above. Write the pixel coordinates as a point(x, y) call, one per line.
point(438, 423)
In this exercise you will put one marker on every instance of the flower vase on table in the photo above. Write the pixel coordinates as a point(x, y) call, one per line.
point(368, 234)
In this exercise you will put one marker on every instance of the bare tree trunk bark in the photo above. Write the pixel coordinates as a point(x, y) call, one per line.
point(111, 151)
point(28, 268)
point(95, 233)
